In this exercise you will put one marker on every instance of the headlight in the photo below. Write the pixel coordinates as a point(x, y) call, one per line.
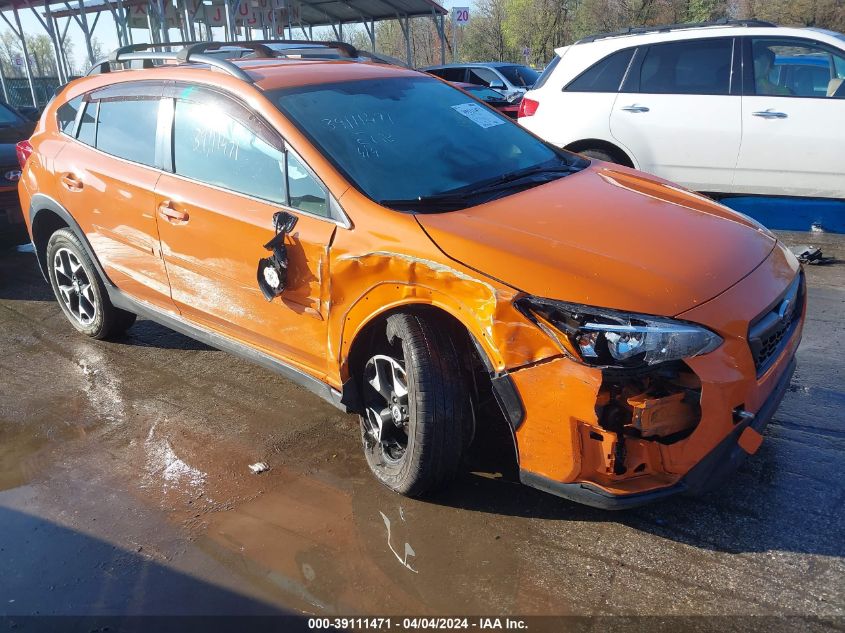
point(608, 338)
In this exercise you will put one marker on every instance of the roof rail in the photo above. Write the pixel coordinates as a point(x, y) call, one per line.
point(195, 52)
point(638, 30)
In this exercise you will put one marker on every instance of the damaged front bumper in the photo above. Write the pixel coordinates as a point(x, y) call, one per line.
point(708, 474)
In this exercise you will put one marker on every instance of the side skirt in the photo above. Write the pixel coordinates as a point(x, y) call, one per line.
point(120, 300)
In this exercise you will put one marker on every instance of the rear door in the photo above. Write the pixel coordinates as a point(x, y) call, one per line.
point(793, 110)
point(679, 112)
point(231, 173)
point(108, 172)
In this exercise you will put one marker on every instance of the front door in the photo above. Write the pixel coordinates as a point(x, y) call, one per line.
point(677, 115)
point(108, 175)
point(793, 110)
point(231, 174)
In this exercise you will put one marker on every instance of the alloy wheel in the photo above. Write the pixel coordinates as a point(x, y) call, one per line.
point(74, 286)
point(386, 406)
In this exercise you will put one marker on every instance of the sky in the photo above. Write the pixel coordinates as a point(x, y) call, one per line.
point(105, 31)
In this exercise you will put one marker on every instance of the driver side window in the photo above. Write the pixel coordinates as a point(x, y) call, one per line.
point(797, 68)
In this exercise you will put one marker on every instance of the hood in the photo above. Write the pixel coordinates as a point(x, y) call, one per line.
point(608, 237)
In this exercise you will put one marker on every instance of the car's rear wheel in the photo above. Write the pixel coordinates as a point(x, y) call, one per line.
point(415, 407)
point(79, 289)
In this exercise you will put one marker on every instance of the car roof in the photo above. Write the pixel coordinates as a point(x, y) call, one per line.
point(595, 49)
point(683, 32)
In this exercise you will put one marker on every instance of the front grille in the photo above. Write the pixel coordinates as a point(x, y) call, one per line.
point(769, 333)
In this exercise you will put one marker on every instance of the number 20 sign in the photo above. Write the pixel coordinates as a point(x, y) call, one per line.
point(460, 15)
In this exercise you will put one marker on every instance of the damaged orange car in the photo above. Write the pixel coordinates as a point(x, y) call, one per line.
point(416, 258)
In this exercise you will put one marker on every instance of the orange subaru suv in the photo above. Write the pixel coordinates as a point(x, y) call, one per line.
point(416, 258)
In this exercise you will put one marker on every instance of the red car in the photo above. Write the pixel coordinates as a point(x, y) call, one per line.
point(493, 98)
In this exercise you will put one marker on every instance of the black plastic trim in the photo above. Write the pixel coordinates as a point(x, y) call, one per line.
point(708, 474)
point(42, 203)
point(508, 399)
point(174, 322)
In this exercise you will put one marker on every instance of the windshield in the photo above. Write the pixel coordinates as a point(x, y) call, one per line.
point(520, 76)
point(407, 138)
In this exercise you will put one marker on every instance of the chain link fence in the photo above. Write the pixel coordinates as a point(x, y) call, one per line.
point(18, 94)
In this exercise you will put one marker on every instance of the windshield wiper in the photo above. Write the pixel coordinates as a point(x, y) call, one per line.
point(467, 196)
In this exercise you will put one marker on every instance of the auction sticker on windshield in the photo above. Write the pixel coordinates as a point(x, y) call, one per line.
point(478, 115)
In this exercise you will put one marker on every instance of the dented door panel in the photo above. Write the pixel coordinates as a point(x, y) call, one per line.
point(212, 261)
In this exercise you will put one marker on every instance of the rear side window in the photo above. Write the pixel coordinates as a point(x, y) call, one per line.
point(88, 124)
point(692, 67)
point(213, 145)
point(547, 72)
point(126, 128)
point(452, 74)
point(66, 115)
point(482, 77)
point(605, 75)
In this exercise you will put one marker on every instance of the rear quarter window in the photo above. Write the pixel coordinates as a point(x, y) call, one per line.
point(88, 124)
point(547, 72)
point(66, 115)
point(605, 75)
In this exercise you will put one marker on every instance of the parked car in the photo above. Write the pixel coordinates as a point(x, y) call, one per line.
point(719, 108)
point(631, 338)
point(493, 98)
point(509, 79)
point(14, 127)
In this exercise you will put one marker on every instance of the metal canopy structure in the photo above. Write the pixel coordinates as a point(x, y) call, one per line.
point(240, 20)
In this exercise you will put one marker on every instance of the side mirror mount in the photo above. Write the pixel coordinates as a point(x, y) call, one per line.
point(273, 271)
point(498, 84)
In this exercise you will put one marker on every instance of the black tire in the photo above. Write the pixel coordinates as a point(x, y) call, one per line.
point(98, 318)
point(599, 154)
point(438, 408)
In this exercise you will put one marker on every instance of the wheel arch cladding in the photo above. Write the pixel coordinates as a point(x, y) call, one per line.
point(46, 216)
point(478, 365)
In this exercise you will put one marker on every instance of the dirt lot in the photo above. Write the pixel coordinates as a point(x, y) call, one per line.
point(125, 488)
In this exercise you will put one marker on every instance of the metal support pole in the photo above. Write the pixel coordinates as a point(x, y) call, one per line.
point(454, 40)
point(227, 6)
point(47, 23)
point(405, 25)
point(82, 20)
point(21, 34)
point(3, 85)
point(62, 37)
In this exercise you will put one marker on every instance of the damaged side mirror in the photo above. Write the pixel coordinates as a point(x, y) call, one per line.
point(273, 270)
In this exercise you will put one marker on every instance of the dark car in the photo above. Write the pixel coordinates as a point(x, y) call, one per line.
point(14, 127)
point(493, 98)
point(509, 79)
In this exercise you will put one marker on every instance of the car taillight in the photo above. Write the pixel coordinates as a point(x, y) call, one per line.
point(527, 107)
point(24, 150)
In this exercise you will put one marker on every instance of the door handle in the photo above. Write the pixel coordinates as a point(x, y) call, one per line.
point(71, 182)
point(635, 108)
point(770, 114)
point(168, 212)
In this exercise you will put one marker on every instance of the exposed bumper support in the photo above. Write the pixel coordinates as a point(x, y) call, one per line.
point(707, 475)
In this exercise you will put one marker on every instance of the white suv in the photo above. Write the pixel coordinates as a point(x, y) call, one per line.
point(735, 107)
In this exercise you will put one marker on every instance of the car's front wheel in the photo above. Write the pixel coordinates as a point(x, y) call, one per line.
point(416, 406)
point(80, 291)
